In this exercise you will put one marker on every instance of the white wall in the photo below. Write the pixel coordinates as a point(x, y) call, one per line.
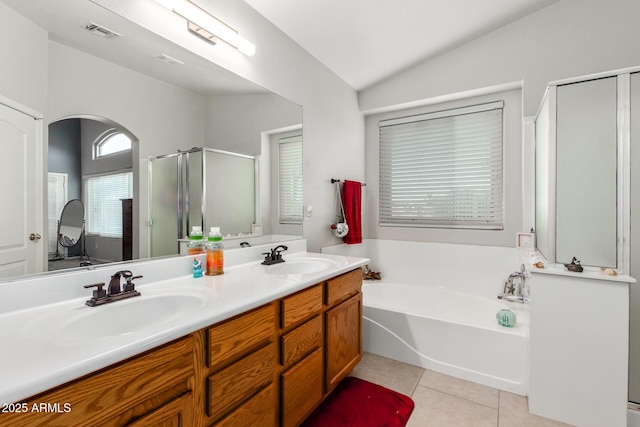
point(23, 74)
point(333, 125)
point(567, 39)
point(162, 116)
point(235, 122)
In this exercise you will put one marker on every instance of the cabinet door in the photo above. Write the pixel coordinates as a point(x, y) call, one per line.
point(301, 389)
point(344, 340)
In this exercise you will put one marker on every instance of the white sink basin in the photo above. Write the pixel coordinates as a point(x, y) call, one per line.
point(301, 266)
point(115, 319)
point(126, 316)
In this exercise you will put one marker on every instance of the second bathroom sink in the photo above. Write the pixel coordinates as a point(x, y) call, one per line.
point(304, 265)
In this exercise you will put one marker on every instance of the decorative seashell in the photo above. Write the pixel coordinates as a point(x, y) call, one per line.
point(539, 264)
point(574, 266)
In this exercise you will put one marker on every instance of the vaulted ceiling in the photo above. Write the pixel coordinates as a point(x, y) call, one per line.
point(365, 41)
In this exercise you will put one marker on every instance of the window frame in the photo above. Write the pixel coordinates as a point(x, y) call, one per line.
point(104, 138)
point(292, 219)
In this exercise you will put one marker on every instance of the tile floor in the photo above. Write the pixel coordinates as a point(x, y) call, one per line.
point(443, 401)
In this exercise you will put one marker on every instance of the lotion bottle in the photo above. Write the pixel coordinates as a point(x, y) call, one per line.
point(196, 243)
point(215, 254)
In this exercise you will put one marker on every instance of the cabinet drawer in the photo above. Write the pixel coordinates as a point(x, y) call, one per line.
point(341, 287)
point(301, 389)
point(118, 394)
point(301, 341)
point(178, 413)
point(260, 410)
point(301, 306)
point(236, 383)
point(234, 338)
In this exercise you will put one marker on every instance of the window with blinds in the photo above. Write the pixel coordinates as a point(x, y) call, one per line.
point(102, 195)
point(290, 179)
point(443, 169)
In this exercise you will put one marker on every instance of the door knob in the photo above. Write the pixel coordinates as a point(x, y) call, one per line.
point(34, 236)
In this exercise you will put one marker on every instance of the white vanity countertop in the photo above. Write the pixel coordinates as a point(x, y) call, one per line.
point(35, 358)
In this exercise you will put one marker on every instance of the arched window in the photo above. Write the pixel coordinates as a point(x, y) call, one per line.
point(110, 142)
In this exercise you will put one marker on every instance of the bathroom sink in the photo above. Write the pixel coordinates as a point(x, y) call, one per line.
point(301, 266)
point(118, 318)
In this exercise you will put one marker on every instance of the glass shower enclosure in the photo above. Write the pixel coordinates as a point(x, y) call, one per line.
point(201, 186)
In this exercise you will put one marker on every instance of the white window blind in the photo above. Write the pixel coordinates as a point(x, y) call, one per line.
point(290, 179)
point(102, 195)
point(443, 169)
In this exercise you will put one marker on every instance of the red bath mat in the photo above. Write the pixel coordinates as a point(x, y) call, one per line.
point(359, 403)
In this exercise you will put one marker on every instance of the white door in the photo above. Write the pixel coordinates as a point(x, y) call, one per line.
point(21, 225)
point(57, 198)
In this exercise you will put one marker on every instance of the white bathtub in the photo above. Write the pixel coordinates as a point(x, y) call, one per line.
point(436, 307)
point(446, 331)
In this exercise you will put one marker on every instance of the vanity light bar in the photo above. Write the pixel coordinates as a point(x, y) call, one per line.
point(207, 26)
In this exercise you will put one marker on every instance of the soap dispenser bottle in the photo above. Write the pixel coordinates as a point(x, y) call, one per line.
point(196, 242)
point(215, 254)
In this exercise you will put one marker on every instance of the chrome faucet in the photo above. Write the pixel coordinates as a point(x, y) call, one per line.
point(114, 292)
point(515, 292)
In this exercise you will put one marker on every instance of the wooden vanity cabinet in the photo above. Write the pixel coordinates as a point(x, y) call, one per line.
point(270, 366)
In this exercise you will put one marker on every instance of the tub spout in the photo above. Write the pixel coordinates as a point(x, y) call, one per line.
point(515, 292)
point(513, 298)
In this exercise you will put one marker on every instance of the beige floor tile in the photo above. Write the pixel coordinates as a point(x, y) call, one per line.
point(437, 409)
point(514, 412)
point(461, 388)
point(388, 373)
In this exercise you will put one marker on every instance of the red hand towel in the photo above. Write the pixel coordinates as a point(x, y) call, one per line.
point(351, 199)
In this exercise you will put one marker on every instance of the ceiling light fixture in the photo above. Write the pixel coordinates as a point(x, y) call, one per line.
point(207, 26)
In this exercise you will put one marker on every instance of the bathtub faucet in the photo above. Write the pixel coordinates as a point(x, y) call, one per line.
point(514, 287)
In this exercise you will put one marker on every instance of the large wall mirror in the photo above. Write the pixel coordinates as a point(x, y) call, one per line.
point(167, 99)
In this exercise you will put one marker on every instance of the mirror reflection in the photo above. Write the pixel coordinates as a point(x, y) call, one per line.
point(202, 187)
point(69, 235)
point(99, 87)
point(71, 224)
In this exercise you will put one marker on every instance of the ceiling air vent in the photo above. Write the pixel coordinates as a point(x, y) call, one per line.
point(101, 31)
